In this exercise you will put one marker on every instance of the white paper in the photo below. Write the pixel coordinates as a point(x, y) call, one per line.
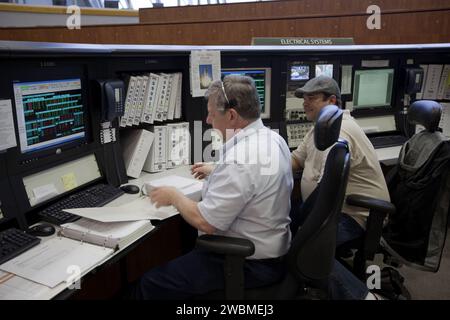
point(346, 81)
point(7, 134)
point(140, 209)
point(45, 192)
point(48, 262)
point(13, 287)
point(189, 187)
point(116, 230)
point(205, 69)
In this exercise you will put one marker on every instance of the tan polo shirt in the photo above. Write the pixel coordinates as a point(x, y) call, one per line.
point(365, 176)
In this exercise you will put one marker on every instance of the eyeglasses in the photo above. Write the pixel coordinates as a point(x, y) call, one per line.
point(226, 97)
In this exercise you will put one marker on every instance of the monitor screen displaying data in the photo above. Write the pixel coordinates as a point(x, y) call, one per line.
point(49, 113)
point(261, 76)
point(299, 72)
point(373, 88)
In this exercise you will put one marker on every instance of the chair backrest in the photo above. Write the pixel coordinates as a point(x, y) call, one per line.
point(426, 113)
point(420, 190)
point(311, 255)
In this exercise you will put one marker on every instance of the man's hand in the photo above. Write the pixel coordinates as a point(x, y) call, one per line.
point(163, 196)
point(201, 170)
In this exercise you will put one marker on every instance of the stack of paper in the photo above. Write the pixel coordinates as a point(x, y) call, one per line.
point(191, 188)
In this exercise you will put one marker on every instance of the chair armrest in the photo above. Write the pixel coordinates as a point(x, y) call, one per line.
point(226, 245)
point(378, 210)
point(235, 251)
point(370, 203)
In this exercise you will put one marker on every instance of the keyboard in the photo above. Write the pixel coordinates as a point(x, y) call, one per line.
point(95, 196)
point(13, 242)
point(387, 141)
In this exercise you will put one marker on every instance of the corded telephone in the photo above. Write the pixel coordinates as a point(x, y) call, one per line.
point(414, 79)
point(112, 98)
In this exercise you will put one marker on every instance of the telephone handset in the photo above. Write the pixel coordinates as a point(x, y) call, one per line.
point(414, 80)
point(112, 99)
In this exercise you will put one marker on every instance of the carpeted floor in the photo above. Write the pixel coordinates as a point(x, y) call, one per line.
point(427, 285)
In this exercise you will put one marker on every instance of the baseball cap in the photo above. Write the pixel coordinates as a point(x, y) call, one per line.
point(319, 84)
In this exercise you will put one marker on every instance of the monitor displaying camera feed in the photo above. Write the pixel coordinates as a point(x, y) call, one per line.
point(299, 72)
point(373, 88)
point(324, 69)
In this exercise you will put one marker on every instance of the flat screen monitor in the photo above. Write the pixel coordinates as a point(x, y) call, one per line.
point(324, 69)
point(49, 113)
point(261, 76)
point(299, 72)
point(372, 88)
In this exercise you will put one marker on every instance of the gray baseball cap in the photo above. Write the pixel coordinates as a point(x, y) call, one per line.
point(319, 84)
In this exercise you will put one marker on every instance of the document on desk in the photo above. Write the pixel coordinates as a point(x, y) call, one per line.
point(52, 262)
point(13, 287)
point(139, 209)
point(191, 188)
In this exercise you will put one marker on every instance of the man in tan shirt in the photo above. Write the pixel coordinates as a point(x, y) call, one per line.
point(365, 176)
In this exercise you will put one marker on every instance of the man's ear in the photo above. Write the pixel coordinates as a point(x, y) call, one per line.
point(332, 99)
point(233, 114)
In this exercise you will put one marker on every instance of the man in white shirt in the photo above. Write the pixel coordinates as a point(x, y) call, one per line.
point(246, 195)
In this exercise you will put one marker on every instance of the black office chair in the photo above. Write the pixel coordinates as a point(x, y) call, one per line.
point(310, 258)
point(419, 188)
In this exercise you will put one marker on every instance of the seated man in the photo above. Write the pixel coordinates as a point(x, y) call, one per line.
point(365, 176)
point(247, 195)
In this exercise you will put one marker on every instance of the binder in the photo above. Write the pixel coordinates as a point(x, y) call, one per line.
point(177, 114)
point(114, 235)
point(149, 103)
point(136, 146)
point(134, 101)
point(140, 100)
point(432, 81)
point(128, 101)
point(156, 159)
point(444, 83)
point(178, 144)
point(174, 92)
point(162, 103)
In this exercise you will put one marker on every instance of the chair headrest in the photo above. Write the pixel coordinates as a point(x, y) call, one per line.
point(426, 113)
point(327, 127)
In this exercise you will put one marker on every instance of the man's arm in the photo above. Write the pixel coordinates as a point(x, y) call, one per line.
point(166, 196)
point(295, 164)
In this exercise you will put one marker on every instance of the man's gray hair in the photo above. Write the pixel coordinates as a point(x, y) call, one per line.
point(238, 92)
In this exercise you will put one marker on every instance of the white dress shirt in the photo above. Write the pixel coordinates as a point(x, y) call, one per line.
point(247, 195)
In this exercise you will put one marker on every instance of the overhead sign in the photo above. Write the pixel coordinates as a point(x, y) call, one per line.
point(289, 41)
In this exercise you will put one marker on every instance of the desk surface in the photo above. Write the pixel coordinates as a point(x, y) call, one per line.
point(388, 156)
point(32, 290)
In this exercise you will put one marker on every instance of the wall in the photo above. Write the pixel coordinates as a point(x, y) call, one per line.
point(402, 21)
point(31, 16)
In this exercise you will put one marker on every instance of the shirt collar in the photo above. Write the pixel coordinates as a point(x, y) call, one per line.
point(250, 129)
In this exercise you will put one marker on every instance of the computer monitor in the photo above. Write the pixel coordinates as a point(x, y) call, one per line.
point(324, 69)
point(372, 88)
point(262, 78)
point(49, 113)
point(299, 72)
